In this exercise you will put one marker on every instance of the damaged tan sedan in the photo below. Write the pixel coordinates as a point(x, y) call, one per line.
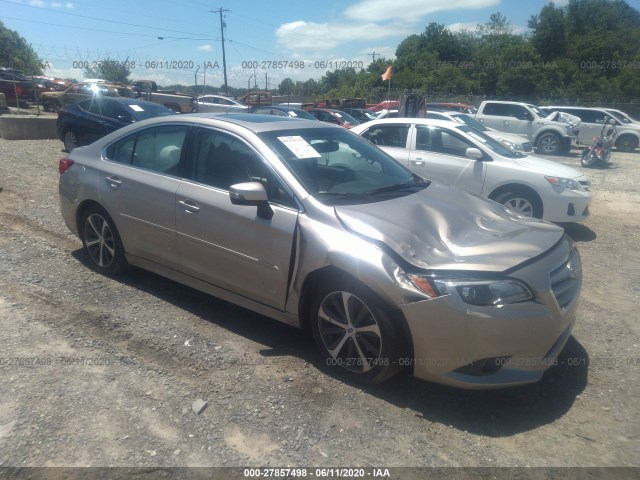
point(314, 226)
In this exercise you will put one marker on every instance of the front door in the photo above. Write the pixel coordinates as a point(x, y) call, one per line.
point(440, 154)
point(228, 245)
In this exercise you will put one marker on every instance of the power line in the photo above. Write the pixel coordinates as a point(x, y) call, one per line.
point(97, 18)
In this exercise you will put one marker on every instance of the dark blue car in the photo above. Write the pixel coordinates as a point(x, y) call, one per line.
point(84, 122)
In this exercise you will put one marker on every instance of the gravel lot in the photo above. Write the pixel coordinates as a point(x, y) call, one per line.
point(105, 372)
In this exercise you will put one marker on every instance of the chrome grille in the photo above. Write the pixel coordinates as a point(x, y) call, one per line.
point(566, 280)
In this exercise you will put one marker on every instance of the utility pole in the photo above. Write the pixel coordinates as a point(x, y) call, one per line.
point(373, 56)
point(224, 60)
point(266, 81)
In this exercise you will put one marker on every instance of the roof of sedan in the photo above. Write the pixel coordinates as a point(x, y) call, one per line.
point(257, 122)
point(422, 121)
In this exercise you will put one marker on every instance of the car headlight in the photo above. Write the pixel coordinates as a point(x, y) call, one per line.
point(485, 293)
point(510, 145)
point(567, 183)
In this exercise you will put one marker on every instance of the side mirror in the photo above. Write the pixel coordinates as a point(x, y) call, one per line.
point(474, 153)
point(251, 194)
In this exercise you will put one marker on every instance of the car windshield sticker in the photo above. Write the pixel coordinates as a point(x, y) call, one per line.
point(299, 147)
point(137, 108)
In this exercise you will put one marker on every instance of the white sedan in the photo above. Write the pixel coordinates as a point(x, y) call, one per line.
point(460, 155)
point(219, 104)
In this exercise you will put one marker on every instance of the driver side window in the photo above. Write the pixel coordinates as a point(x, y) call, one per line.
point(441, 141)
point(222, 160)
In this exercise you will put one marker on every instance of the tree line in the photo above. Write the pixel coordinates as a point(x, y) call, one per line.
point(588, 50)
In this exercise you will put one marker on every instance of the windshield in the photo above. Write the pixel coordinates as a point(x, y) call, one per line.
point(464, 118)
point(537, 111)
point(299, 113)
point(347, 118)
point(337, 166)
point(150, 110)
point(489, 142)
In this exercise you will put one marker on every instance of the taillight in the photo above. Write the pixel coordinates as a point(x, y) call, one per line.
point(64, 165)
point(18, 90)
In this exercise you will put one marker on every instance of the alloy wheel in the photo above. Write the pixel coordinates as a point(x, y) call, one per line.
point(349, 332)
point(99, 240)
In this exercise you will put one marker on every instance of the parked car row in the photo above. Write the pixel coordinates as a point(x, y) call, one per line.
point(314, 226)
point(17, 88)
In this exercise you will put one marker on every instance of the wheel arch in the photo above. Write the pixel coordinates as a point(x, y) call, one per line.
point(84, 206)
point(517, 187)
point(632, 135)
point(547, 130)
point(331, 271)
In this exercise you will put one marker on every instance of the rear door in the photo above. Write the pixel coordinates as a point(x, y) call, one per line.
point(137, 184)
point(228, 245)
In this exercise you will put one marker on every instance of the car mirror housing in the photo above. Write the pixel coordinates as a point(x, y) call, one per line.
point(251, 194)
point(474, 153)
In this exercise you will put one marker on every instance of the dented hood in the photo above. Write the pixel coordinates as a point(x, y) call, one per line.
point(442, 227)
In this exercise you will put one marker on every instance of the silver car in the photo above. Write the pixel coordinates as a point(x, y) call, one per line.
point(219, 104)
point(314, 226)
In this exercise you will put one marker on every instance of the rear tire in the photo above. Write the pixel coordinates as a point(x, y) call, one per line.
point(353, 331)
point(102, 242)
point(626, 143)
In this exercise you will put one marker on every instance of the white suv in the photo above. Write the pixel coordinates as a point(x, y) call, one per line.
point(592, 120)
point(460, 155)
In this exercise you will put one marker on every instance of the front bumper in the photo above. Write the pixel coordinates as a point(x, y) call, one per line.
point(488, 347)
point(567, 205)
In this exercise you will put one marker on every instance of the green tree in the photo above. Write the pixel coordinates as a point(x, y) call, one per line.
point(549, 35)
point(17, 53)
point(110, 70)
point(287, 86)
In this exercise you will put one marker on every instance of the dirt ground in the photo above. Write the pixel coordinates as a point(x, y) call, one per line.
point(104, 372)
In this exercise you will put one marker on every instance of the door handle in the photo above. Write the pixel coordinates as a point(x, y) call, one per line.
point(189, 207)
point(417, 161)
point(113, 181)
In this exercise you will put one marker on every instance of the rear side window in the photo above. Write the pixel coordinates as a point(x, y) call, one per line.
point(498, 109)
point(388, 135)
point(157, 149)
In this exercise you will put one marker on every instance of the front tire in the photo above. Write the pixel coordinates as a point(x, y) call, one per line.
point(102, 242)
point(522, 203)
point(354, 333)
point(588, 157)
point(549, 144)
